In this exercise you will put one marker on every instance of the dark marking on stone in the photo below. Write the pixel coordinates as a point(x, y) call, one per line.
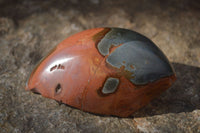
point(53, 68)
point(110, 85)
point(57, 67)
point(58, 88)
point(117, 36)
point(97, 37)
point(99, 91)
point(136, 54)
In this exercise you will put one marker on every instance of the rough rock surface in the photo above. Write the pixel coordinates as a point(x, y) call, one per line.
point(29, 29)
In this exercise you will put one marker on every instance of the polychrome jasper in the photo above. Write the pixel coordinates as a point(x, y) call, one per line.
point(110, 71)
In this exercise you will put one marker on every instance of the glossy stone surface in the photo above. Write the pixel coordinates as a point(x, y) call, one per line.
point(80, 69)
point(28, 34)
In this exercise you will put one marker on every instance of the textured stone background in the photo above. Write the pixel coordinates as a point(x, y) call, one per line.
point(30, 28)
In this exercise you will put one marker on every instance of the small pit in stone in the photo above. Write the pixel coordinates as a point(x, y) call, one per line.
point(35, 91)
point(53, 68)
point(58, 88)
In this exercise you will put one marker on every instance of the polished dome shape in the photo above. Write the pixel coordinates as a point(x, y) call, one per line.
point(109, 71)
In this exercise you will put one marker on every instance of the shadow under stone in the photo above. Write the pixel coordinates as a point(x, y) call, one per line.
point(183, 96)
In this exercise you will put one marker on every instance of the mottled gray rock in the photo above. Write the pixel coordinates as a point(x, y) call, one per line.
point(29, 29)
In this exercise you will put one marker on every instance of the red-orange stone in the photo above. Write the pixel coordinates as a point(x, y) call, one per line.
point(75, 72)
